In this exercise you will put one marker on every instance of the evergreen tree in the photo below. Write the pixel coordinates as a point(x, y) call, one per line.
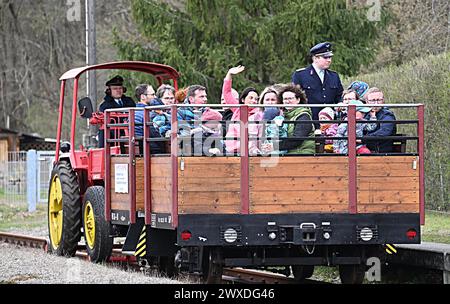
point(271, 38)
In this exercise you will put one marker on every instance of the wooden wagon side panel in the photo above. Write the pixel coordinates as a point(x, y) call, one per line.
point(209, 185)
point(388, 184)
point(298, 184)
point(161, 182)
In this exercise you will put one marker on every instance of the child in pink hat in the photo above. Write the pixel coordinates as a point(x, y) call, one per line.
point(327, 129)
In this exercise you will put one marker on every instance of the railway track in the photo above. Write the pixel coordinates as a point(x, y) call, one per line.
point(230, 276)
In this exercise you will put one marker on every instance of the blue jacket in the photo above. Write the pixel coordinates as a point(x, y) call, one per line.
point(382, 129)
point(155, 146)
point(317, 93)
point(139, 120)
point(186, 117)
point(162, 122)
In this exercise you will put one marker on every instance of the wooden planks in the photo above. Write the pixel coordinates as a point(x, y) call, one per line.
point(388, 184)
point(304, 184)
point(209, 185)
point(299, 184)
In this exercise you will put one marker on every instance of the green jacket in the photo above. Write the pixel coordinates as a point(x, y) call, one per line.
point(307, 146)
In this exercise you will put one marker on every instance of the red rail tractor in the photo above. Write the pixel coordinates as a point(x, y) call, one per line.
point(199, 214)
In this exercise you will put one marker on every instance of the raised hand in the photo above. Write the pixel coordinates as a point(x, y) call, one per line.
point(234, 71)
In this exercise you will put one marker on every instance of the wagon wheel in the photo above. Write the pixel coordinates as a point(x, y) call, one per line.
point(212, 266)
point(167, 266)
point(64, 210)
point(97, 231)
point(302, 272)
point(351, 274)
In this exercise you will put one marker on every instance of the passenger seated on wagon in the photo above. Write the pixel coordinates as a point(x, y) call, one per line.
point(293, 95)
point(211, 132)
point(360, 88)
point(341, 145)
point(274, 128)
point(144, 93)
point(327, 129)
point(227, 113)
point(248, 96)
point(383, 128)
point(189, 118)
point(269, 96)
point(347, 96)
point(161, 118)
point(180, 95)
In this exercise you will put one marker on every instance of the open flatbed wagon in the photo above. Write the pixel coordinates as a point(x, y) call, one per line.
point(200, 213)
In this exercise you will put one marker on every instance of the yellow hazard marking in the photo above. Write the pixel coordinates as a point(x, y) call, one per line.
point(142, 245)
point(391, 249)
point(141, 252)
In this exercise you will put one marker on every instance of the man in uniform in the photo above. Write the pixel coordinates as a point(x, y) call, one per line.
point(114, 99)
point(321, 85)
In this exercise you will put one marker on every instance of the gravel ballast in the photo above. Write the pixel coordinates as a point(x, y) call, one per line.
point(21, 265)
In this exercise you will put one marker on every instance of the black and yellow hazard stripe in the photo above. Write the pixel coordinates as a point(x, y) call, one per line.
point(390, 249)
point(141, 248)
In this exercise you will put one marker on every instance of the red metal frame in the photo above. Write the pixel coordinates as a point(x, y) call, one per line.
point(352, 174)
point(245, 174)
point(174, 162)
point(74, 114)
point(132, 166)
point(107, 170)
point(160, 71)
point(80, 160)
point(61, 111)
point(420, 143)
point(244, 158)
point(147, 170)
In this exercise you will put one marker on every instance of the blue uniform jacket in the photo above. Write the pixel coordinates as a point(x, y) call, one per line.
point(383, 129)
point(110, 103)
point(317, 93)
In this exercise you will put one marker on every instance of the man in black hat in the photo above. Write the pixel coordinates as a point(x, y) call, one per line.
point(321, 85)
point(114, 99)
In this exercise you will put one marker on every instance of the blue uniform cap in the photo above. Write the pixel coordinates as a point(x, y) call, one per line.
point(115, 81)
point(321, 49)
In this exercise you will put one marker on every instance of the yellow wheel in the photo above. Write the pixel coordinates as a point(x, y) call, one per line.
point(55, 212)
point(64, 210)
point(89, 225)
point(97, 231)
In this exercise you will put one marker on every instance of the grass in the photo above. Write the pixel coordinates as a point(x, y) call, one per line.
point(16, 216)
point(437, 227)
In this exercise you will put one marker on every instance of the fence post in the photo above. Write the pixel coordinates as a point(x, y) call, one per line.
point(32, 171)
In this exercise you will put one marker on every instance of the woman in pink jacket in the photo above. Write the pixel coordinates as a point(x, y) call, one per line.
point(249, 96)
